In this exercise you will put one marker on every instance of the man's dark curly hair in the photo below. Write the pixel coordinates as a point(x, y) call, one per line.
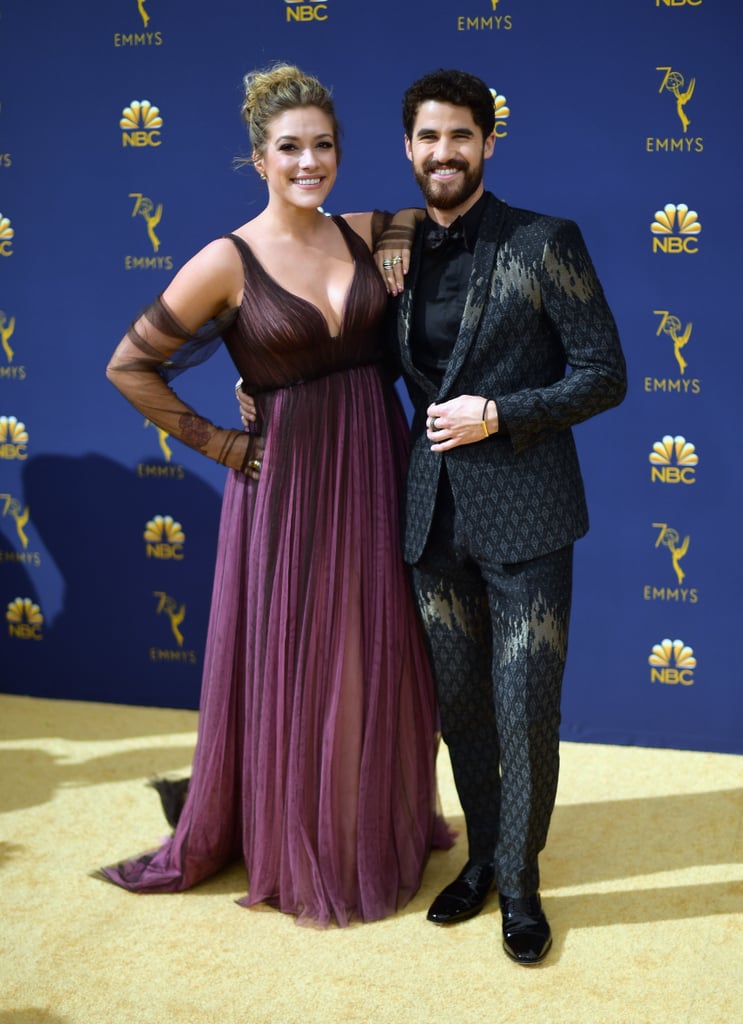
point(456, 87)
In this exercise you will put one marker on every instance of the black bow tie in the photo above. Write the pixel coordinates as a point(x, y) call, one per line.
point(437, 235)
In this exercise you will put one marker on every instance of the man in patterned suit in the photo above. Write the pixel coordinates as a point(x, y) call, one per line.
point(498, 303)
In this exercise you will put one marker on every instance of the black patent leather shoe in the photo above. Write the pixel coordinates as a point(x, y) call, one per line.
point(465, 896)
point(526, 934)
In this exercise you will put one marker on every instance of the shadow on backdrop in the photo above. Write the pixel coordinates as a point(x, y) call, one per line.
point(132, 625)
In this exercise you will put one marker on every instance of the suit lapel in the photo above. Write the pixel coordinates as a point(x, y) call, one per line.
point(405, 319)
point(483, 261)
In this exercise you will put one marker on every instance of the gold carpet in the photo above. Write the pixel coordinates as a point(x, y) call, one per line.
point(642, 883)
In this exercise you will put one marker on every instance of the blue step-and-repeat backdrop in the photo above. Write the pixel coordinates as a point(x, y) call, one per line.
point(119, 128)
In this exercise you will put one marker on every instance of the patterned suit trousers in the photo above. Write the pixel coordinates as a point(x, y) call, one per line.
point(497, 636)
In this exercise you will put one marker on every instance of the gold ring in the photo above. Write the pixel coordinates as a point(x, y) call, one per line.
point(255, 465)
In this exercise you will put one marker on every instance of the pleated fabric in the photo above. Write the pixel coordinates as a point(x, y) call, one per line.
point(315, 755)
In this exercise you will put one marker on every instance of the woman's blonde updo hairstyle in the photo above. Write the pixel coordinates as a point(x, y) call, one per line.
point(275, 90)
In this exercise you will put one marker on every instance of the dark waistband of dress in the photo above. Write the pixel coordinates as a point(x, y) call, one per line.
point(255, 390)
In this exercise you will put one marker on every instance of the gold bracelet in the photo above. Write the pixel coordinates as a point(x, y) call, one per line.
point(485, 430)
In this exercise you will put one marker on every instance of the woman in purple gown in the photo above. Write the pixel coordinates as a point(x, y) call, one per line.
point(316, 741)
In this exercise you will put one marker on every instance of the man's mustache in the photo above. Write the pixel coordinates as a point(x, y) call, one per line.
point(456, 163)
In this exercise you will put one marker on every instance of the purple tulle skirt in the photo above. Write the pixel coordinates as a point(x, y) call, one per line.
point(317, 733)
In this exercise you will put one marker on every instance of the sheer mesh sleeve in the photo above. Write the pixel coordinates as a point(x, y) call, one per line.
point(154, 350)
point(395, 230)
point(380, 221)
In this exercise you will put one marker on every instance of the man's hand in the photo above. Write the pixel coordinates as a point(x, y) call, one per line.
point(460, 421)
point(249, 415)
point(248, 412)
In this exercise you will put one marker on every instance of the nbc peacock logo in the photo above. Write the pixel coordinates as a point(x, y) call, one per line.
point(13, 439)
point(24, 619)
point(6, 236)
point(140, 124)
point(502, 113)
point(164, 539)
point(673, 460)
point(306, 10)
point(676, 229)
point(672, 662)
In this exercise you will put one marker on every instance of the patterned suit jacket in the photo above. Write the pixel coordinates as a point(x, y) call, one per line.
point(534, 308)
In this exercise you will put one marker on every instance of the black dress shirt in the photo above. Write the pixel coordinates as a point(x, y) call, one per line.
point(441, 290)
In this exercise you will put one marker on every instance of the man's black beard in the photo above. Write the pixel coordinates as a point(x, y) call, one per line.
point(441, 197)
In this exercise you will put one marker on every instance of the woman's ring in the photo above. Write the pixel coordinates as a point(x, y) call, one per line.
point(255, 465)
point(387, 264)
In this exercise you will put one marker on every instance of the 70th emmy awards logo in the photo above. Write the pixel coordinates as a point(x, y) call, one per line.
point(671, 539)
point(12, 507)
point(158, 470)
point(151, 214)
point(673, 82)
point(7, 327)
point(671, 325)
point(162, 440)
point(169, 606)
point(146, 38)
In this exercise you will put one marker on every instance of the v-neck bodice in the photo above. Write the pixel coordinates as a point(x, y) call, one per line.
point(279, 338)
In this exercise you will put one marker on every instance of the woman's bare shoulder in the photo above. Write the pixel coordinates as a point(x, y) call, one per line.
point(209, 283)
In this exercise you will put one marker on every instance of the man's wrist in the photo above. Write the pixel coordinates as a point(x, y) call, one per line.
point(489, 417)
